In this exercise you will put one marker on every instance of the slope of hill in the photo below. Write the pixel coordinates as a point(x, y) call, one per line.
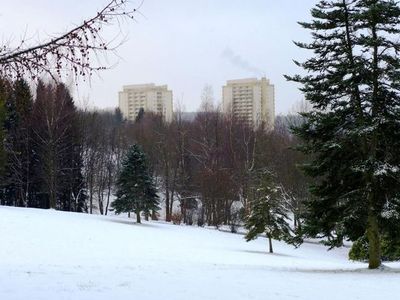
point(54, 255)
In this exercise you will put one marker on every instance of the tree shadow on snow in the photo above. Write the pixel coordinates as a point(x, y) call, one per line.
point(265, 253)
point(347, 271)
point(381, 270)
point(132, 222)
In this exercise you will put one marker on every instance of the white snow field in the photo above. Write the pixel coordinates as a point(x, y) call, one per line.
point(47, 254)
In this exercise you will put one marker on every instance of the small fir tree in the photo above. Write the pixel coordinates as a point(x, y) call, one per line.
point(135, 186)
point(268, 212)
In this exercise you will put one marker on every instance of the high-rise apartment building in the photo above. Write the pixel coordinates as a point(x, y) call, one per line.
point(250, 100)
point(149, 97)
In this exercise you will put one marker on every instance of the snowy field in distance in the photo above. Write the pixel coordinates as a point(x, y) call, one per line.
point(55, 255)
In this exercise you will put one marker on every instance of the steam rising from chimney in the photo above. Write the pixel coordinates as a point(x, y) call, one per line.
point(240, 62)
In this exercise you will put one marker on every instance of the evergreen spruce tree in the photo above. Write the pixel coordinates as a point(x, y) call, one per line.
point(140, 115)
point(353, 132)
point(118, 116)
point(4, 96)
point(135, 190)
point(268, 212)
point(56, 143)
point(70, 177)
point(18, 144)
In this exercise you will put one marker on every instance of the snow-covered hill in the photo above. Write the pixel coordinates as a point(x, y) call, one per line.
point(54, 255)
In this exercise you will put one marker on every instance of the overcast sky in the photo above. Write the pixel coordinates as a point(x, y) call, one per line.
point(183, 43)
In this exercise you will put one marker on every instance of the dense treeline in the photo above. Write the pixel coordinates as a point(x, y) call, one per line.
point(207, 167)
point(55, 156)
point(41, 151)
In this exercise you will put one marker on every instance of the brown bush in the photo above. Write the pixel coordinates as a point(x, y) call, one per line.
point(176, 218)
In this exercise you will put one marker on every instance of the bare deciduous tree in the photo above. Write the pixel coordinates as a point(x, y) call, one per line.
point(67, 54)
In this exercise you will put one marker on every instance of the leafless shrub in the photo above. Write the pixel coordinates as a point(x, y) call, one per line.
point(176, 218)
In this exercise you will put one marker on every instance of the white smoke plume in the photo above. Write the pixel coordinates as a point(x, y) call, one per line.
point(240, 62)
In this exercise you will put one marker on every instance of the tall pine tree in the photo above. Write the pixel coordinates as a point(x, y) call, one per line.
point(72, 194)
point(57, 145)
point(18, 144)
point(4, 95)
point(135, 186)
point(353, 132)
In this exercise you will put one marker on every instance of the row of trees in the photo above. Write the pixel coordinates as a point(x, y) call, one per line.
point(41, 152)
point(51, 156)
point(214, 167)
point(207, 166)
point(59, 157)
point(41, 145)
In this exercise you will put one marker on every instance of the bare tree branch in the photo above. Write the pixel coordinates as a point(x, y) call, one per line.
point(69, 53)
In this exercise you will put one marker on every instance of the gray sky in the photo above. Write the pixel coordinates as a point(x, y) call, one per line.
point(183, 43)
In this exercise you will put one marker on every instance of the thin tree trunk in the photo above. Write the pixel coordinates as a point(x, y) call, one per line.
point(171, 204)
point(52, 180)
point(183, 210)
point(108, 194)
point(271, 250)
point(167, 211)
point(138, 217)
point(91, 193)
point(28, 162)
point(374, 245)
point(100, 199)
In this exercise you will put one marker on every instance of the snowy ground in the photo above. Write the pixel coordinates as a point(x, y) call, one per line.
point(54, 255)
